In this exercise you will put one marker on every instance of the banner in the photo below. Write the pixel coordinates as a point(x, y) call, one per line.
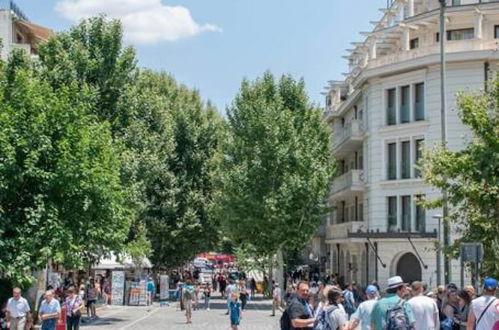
point(117, 287)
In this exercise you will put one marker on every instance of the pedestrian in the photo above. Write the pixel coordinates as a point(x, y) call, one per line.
point(464, 309)
point(197, 292)
point(253, 287)
point(424, 308)
point(91, 299)
point(391, 311)
point(106, 292)
point(187, 296)
point(151, 289)
point(484, 311)
point(50, 311)
point(450, 310)
point(243, 294)
point(299, 313)
point(73, 304)
point(363, 313)
point(231, 288)
point(290, 294)
point(349, 299)
point(440, 293)
point(207, 296)
point(235, 310)
point(333, 314)
point(18, 311)
point(276, 298)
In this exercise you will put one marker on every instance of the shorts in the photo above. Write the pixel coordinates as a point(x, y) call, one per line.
point(234, 320)
point(90, 302)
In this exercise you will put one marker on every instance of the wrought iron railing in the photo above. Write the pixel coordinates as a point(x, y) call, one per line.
point(11, 5)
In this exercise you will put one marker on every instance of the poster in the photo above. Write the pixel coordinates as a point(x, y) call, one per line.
point(142, 293)
point(117, 287)
point(164, 287)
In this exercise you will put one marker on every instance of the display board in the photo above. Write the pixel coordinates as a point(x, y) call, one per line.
point(117, 287)
point(164, 287)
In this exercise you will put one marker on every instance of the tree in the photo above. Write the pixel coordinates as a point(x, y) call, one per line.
point(179, 162)
point(471, 176)
point(277, 168)
point(60, 192)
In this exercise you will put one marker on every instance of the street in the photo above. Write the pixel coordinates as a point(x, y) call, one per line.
point(257, 317)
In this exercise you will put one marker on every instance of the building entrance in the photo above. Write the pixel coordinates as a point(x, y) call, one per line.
point(409, 268)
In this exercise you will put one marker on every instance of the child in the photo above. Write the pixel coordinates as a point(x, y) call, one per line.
point(207, 294)
point(235, 310)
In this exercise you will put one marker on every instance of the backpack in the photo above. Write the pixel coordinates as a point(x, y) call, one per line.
point(396, 318)
point(323, 321)
point(447, 324)
point(349, 308)
point(285, 320)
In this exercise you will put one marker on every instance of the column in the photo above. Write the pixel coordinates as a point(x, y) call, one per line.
point(406, 41)
point(479, 26)
point(410, 8)
point(372, 49)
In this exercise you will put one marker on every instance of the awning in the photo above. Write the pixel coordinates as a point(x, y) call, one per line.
point(123, 263)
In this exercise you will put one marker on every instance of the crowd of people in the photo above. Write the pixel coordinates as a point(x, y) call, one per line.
point(17, 314)
point(400, 306)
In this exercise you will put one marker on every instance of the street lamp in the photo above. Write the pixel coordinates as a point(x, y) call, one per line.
point(439, 255)
point(443, 122)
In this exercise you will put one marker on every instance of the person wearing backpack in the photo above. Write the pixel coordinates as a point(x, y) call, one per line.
point(332, 317)
point(392, 312)
point(349, 300)
point(362, 315)
point(484, 311)
point(298, 314)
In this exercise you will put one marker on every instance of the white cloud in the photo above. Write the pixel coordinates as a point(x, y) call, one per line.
point(144, 21)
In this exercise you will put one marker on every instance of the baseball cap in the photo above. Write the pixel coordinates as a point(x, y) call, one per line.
point(371, 290)
point(490, 284)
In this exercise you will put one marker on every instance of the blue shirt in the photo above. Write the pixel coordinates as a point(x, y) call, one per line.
point(363, 314)
point(50, 308)
point(150, 286)
point(378, 315)
point(235, 308)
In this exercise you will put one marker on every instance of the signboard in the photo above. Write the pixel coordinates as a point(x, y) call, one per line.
point(117, 287)
point(142, 293)
point(164, 287)
point(472, 252)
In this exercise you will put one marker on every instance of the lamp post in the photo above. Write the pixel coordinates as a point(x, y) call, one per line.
point(443, 122)
point(439, 252)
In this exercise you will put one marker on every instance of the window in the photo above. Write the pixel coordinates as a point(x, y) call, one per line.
point(419, 145)
point(461, 34)
point(355, 112)
point(392, 161)
point(328, 101)
point(342, 122)
point(392, 213)
point(405, 169)
point(419, 102)
point(342, 215)
point(406, 213)
point(361, 212)
point(414, 43)
point(391, 116)
point(420, 214)
point(405, 115)
point(496, 31)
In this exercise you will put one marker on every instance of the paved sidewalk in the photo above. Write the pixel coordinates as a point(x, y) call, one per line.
point(256, 317)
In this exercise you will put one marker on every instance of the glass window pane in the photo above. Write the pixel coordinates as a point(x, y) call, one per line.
point(405, 116)
point(419, 145)
point(392, 161)
point(406, 160)
point(461, 34)
point(406, 213)
point(419, 101)
point(392, 214)
point(420, 215)
point(391, 118)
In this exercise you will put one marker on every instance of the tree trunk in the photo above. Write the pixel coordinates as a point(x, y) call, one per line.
point(271, 275)
point(280, 272)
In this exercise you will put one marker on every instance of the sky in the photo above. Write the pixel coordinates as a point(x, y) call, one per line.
point(211, 45)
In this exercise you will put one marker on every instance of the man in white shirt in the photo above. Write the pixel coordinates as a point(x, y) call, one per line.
point(484, 311)
point(17, 310)
point(424, 308)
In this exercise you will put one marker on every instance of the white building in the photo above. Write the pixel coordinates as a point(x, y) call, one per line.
point(386, 109)
point(17, 32)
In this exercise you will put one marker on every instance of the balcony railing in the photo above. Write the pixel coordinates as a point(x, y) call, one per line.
point(342, 230)
point(353, 129)
point(353, 179)
point(450, 47)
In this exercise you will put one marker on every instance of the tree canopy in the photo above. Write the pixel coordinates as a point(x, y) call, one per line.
point(277, 166)
point(471, 176)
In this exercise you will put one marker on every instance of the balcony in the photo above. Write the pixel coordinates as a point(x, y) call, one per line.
point(348, 138)
point(343, 230)
point(457, 46)
point(25, 47)
point(348, 183)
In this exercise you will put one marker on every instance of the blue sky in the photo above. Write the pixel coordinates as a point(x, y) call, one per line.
point(212, 44)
